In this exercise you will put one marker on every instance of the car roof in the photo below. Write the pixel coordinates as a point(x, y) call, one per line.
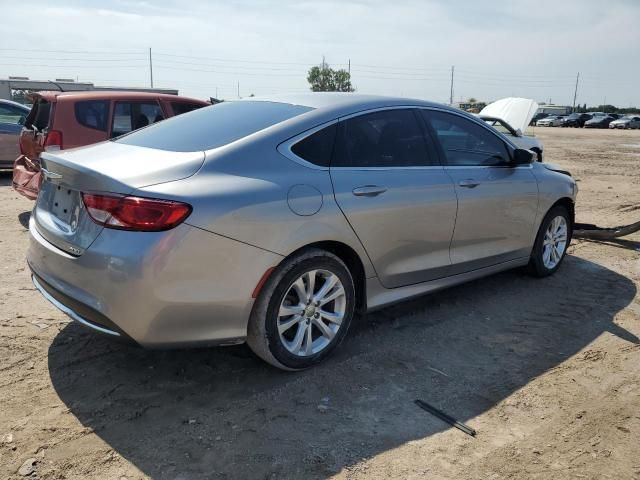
point(15, 104)
point(53, 96)
point(331, 100)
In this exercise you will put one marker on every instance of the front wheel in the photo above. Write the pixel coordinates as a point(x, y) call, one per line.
point(303, 311)
point(551, 243)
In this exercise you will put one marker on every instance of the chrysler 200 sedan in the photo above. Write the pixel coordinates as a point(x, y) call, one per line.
point(272, 221)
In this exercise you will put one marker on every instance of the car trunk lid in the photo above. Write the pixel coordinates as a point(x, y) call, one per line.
point(60, 214)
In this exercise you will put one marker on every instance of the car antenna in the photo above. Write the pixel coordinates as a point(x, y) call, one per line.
point(59, 87)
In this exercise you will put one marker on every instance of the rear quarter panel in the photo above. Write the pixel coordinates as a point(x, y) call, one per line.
point(247, 194)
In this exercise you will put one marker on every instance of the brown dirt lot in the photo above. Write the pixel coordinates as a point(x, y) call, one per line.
point(547, 371)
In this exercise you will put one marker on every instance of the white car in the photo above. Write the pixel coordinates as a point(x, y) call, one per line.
point(630, 121)
point(511, 116)
point(550, 121)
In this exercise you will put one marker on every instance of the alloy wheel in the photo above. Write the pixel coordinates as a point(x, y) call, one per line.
point(555, 242)
point(311, 312)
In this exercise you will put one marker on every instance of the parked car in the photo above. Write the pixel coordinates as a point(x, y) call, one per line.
point(550, 121)
point(511, 116)
point(576, 120)
point(273, 220)
point(599, 121)
point(536, 117)
point(630, 121)
point(62, 120)
point(12, 117)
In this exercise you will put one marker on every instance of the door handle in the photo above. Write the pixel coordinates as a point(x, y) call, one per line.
point(369, 191)
point(469, 183)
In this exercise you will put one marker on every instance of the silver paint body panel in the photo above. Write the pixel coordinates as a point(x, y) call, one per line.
point(254, 203)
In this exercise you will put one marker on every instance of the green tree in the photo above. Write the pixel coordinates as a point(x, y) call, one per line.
point(472, 100)
point(326, 79)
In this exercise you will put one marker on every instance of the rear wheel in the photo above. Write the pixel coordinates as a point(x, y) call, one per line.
point(551, 243)
point(303, 312)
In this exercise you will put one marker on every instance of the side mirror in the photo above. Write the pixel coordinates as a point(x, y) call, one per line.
point(521, 157)
point(22, 119)
point(518, 133)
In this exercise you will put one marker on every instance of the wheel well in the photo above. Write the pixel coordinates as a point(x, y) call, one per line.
point(568, 204)
point(352, 260)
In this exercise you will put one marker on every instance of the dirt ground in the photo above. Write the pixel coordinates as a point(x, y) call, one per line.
point(547, 372)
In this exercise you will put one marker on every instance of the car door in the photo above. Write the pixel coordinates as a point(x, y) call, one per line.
point(497, 202)
point(392, 190)
point(11, 119)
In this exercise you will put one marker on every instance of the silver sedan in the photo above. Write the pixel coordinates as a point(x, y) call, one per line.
point(273, 221)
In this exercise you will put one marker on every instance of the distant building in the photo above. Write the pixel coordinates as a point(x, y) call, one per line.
point(15, 88)
point(474, 107)
point(554, 109)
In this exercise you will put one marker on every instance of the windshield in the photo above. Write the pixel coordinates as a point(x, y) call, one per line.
point(213, 126)
point(498, 126)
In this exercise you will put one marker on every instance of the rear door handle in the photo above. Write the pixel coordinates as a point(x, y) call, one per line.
point(369, 191)
point(469, 183)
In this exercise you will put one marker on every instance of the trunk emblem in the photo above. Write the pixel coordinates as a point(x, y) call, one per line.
point(50, 175)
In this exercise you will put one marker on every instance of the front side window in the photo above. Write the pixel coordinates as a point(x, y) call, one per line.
point(388, 138)
point(92, 114)
point(129, 116)
point(465, 143)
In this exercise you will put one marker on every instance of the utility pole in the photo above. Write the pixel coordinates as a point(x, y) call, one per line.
point(150, 67)
point(238, 88)
point(349, 67)
point(575, 94)
point(451, 91)
point(322, 62)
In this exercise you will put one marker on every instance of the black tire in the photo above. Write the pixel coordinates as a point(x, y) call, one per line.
point(536, 265)
point(262, 335)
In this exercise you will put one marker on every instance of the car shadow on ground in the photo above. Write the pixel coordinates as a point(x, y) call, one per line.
point(222, 413)
point(5, 178)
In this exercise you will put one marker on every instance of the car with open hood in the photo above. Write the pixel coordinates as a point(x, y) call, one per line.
point(627, 122)
point(65, 120)
point(511, 116)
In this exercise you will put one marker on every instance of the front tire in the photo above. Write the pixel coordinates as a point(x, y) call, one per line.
point(551, 242)
point(303, 312)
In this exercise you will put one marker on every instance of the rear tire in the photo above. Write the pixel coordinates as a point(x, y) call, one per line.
point(303, 312)
point(551, 242)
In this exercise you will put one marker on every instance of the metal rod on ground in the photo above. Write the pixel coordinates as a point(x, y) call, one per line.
point(582, 230)
point(446, 418)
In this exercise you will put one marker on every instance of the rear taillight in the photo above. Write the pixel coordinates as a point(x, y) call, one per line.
point(53, 139)
point(135, 213)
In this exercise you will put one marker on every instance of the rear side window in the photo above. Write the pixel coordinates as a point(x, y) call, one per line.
point(389, 138)
point(465, 143)
point(213, 126)
point(128, 116)
point(180, 107)
point(92, 114)
point(317, 147)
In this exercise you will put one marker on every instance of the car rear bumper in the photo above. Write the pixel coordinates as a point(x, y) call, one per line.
point(182, 287)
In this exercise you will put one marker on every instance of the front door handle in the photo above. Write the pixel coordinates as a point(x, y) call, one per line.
point(469, 183)
point(369, 191)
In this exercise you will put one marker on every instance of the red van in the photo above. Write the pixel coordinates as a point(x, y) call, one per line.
point(60, 120)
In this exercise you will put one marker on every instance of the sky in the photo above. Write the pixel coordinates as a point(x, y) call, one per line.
point(499, 48)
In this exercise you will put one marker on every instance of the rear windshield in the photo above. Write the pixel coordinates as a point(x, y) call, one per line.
point(212, 126)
